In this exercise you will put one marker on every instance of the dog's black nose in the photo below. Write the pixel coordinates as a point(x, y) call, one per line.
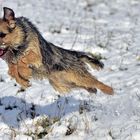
point(2, 34)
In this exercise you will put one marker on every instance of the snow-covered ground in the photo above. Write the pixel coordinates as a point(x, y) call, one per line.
point(110, 28)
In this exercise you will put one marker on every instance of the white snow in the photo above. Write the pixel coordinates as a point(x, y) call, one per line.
point(108, 27)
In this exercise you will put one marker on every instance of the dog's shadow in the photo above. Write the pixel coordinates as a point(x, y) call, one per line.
point(13, 110)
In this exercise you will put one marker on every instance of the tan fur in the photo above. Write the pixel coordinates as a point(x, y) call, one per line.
point(64, 81)
point(12, 39)
point(14, 73)
point(21, 71)
point(34, 48)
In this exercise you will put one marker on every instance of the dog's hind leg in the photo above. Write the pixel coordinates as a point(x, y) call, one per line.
point(64, 81)
point(90, 83)
point(59, 86)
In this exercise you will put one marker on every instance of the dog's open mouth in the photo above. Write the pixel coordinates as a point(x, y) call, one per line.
point(2, 51)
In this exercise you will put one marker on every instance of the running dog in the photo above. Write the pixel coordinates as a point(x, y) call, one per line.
point(29, 55)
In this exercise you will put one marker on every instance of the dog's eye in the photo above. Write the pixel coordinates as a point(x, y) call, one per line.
point(2, 34)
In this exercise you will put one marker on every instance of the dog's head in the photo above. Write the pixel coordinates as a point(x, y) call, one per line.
point(11, 35)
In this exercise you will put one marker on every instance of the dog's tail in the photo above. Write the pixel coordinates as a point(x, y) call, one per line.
point(91, 60)
point(104, 88)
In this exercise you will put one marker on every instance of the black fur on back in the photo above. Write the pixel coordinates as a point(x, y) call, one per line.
point(55, 58)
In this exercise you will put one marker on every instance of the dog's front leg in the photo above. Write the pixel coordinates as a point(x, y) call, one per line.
point(13, 72)
point(24, 71)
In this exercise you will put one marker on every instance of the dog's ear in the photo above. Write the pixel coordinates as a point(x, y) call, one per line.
point(9, 16)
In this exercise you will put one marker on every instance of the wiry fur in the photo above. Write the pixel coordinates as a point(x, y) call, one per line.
point(33, 56)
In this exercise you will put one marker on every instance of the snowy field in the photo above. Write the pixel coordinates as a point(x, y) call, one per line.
point(110, 28)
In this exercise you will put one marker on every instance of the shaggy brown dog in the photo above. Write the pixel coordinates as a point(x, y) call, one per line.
point(29, 55)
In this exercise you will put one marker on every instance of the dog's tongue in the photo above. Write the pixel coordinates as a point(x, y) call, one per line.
point(1, 52)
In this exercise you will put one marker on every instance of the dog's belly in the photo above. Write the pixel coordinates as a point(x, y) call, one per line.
point(39, 73)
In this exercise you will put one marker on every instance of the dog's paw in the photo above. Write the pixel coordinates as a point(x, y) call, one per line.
point(21, 90)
